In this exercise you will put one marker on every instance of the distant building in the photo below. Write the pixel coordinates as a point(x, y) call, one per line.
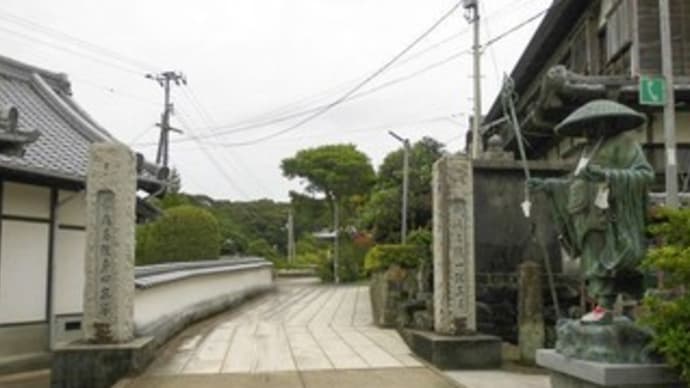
point(44, 143)
point(589, 49)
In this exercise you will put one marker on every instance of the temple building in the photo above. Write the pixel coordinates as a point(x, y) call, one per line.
point(44, 143)
point(593, 49)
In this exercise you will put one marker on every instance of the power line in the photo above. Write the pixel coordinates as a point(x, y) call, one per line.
point(360, 131)
point(55, 33)
point(299, 104)
point(515, 28)
point(350, 132)
point(71, 51)
point(365, 93)
point(321, 110)
point(189, 94)
point(141, 134)
point(359, 85)
point(213, 160)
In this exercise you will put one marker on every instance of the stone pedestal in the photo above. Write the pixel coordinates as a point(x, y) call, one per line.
point(99, 366)
point(622, 341)
point(474, 351)
point(530, 311)
point(573, 373)
point(109, 263)
point(454, 278)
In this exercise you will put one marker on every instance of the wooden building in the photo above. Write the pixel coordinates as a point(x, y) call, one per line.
point(589, 49)
point(44, 142)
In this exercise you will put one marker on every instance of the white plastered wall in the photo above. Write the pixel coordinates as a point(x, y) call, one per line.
point(70, 240)
point(169, 299)
point(24, 241)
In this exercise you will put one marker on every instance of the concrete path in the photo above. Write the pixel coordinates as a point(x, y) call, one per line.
point(305, 335)
point(363, 378)
point(499, 379)
point(303, 327)
point(38, 379)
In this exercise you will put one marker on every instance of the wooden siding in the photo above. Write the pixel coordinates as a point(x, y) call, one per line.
point(650, 45)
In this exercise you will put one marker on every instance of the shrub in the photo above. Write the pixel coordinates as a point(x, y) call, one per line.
point(667, 311)
point(183, 233)
point(350, 261)
point(384, 255)
point(263, 249)
point(423, 238)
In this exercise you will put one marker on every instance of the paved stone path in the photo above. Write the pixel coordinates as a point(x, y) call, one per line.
point(499, 379)
point(305, 335)
point(302, 327)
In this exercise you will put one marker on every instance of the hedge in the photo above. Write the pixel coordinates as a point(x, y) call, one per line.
point(384, 255)
point(183, 233)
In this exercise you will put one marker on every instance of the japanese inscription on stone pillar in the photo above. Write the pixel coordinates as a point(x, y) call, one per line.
point(109, 260)
point(104, 223)
point(454, 288)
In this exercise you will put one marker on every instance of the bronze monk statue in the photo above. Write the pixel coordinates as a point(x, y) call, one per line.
point(600, 208)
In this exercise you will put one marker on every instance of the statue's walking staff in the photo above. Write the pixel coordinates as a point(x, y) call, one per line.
point(508, 97)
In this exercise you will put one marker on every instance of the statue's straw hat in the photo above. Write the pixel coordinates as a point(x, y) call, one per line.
point(616, 117)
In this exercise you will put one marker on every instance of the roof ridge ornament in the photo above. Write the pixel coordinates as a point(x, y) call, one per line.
point(13, 137)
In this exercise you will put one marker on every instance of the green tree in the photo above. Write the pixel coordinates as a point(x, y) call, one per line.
point(344, 176)
point(337, 171)
point(381, 214)
point(262, 219)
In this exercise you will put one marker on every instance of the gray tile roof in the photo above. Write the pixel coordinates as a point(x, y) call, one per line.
point(44, 102)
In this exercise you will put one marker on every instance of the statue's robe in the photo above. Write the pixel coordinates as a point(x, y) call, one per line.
point(611, 240)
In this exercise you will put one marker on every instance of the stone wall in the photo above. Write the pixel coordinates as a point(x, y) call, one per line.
point(497, 303)
point(502, 232)
point(503, 242)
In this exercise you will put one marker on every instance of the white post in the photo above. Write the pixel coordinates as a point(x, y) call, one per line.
point(406, 173)
point(336, 253)
point(476, 51)
point(669, 107)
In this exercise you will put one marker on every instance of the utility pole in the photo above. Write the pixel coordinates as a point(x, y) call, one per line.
point(336, 227)
point(472, 16)
point(669, 106)
point(163, 79)
point(406, 173)
point(291, 238)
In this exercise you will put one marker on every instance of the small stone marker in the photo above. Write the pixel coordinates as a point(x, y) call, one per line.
point(110, 225)
point(454, 278)
point(530, 311)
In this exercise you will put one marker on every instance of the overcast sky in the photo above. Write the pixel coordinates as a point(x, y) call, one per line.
point(253, 60)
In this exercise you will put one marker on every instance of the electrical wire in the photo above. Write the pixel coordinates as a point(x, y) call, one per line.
point(365, 93)
point(190, 95)
point(357, 131)
point(352, 91)
point(342, 99)
point(71, 51)
point(55, 33)
point(212, 159)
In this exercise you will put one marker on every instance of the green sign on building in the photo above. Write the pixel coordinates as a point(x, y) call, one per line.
point(652, 91)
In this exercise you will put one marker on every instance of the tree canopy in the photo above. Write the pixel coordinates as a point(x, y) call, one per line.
point(381, 214)
point(338, 171)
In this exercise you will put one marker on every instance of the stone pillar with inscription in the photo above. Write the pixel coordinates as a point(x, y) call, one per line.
point(109, 264)
point(453, 246)
point(454, 344)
